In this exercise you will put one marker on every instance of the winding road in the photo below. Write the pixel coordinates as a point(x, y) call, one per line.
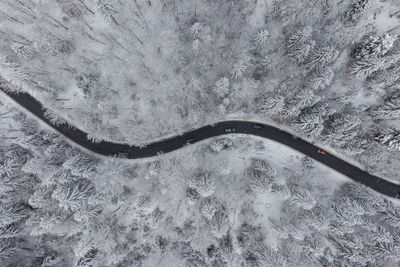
point(243, 127)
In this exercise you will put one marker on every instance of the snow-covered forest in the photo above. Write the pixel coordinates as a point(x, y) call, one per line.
point(230, 201)
point(140, 70)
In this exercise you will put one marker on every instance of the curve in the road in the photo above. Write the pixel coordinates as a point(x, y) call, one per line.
point(244, 127)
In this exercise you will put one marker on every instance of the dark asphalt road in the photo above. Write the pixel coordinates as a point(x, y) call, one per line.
point(244, 127)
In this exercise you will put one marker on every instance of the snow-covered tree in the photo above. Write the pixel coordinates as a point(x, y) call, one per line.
point(342, 129)
point(13, 73)
point(259, 182)
point(238, 70)
point(374, 46)
point(309, 124)
point(41, 196)
point(389, 111)
point(299, 101)
point(272, 104)
point(224, 167)
point(208, 207)
point(267, 256)
point(322, 57)
point(156, 218)
point(11, 213)
point(71, 196)
point(105, 9)
point(308, 162)
point(21, 51)
point(390, 138)
point(302, 197)
point(387, 250)
point(359, 7)
point(367, 66)
point(219, 223)
point(153, 169)
point(300, 44)
point(261, 39)
point(81, 165)
point(391, 215)
point(221, 144)
point(87, 258)
point(320, 78)
point(264, 66)
point(384, 79)
point(221, 88)
point(7, 250)
point(204, 184)
point(196, 46)
point(195, 30)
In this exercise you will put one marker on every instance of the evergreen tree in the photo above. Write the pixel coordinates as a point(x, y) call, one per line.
point(310, 124)
point(221, 88)
point(196, 46)
point(204, 184)
point(12, 73)
point(106, 10)
point(320, 78)
point(374, 46)
point(359, 7)
point(195, 30)
point(367, 66)
point(238, 70)
point(389, 138)
point(300, 44)
point(389, 111)
point(322, 57)
point(261, 39)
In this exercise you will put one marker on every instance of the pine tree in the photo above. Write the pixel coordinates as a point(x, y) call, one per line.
point(196, 46)
point(221, 88)
point(21, 51)
point(300, 44)
point(384, 79)
point(390, 138)
point(322, 57)
point(267, 256)
point(259, 182)
point(204, 184)
point(41, 196)
point(342, 129)
point(302, 197)
point(367, 66)
point(208, 207)
point(7, 250)
point(391, 215)
point(238, 70)
point(261, 39)
point(301, 100)
point(389, 111)
point(271, 104)
point(71, 196)
point(105, 9)
point(195, 30)
point(310, 124)
point(219, 223)
point(320, 78)
point(264, 66)
point(374, 46)
point(12, 73)
point(386, 250)
point(356, 10)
